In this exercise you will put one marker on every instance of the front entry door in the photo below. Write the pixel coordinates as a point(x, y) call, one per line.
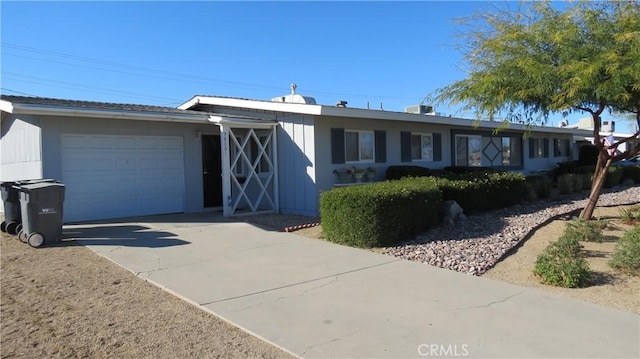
point(211, 171)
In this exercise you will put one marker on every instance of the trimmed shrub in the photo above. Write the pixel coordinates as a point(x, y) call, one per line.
point(379, 214)
point(563, 168)
point(614, 177)
point(588, 155)
point(566, 183)
point(560, 264)
point(586, 180)
point(476, 192)
point(626, 257)
point(540, 186)
point(471, 169)
point(398, 172)
point(631, 172)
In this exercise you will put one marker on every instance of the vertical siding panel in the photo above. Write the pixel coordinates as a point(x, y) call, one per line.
point(21, 148)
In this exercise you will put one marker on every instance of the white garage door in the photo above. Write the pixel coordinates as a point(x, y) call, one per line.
point(120, 176)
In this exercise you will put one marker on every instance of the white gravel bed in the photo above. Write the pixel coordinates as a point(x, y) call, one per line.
point(474, 245)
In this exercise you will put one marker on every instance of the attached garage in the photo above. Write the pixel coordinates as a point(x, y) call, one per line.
point(120, 176)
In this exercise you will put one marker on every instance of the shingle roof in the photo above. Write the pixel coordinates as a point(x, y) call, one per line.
point(109, 106)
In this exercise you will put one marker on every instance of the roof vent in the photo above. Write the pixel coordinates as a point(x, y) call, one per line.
point(420, 110)
point(295, 98)
point(341, 103)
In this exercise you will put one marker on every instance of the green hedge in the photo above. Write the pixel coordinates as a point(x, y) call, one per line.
point(478, 192)
point(379, 214)
point(398, 172)
point(614, 177)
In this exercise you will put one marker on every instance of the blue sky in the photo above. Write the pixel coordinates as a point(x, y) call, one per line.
point(163, 53)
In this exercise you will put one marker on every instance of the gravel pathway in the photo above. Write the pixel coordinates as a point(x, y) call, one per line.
point(475, 245)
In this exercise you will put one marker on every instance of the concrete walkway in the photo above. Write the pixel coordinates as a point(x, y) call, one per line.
point(320, 300)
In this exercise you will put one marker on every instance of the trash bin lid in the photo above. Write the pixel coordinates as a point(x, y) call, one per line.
point(40, 186)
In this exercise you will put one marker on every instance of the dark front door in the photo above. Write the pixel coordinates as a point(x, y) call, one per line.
point(211, 171)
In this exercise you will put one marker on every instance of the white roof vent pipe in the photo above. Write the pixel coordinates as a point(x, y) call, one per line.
point(295, 98)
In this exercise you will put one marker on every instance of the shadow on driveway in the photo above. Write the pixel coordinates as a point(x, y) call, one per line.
point(121, 235)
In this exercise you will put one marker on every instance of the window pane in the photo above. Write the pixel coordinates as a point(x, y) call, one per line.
point(366, 146)
point(475, 155)
point(461, 151)
point(415, 147)
point(506, 151)
point(516, 151)
point(351, 146)
point(427, 148)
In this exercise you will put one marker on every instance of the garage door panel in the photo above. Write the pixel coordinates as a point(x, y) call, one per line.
point(120, 176)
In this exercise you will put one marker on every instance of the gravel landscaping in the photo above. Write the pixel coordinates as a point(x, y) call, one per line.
point(476, 244)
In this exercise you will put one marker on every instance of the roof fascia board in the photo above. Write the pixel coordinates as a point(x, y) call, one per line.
point(254, 105)
point(242, 122)
point(103, 113)
point(6, 106)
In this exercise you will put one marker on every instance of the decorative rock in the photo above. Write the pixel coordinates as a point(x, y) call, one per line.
point(475, 245)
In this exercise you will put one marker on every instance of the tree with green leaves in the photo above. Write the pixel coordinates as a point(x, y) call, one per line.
point(525, 65)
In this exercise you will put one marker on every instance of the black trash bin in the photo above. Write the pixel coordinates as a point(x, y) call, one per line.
point(11, 200)
point(42, 206)
point(12, 223)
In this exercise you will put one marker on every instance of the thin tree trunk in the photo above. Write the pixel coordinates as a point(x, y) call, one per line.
point(599, 176)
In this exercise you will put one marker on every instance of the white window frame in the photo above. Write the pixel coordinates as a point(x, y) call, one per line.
point(361, 134)
point(423, 136)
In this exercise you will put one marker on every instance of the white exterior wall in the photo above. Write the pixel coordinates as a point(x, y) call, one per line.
point(297, 164)
point(20, 148)
point(54, 127)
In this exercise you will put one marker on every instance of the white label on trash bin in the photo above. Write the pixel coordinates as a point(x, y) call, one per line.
point(48, 211)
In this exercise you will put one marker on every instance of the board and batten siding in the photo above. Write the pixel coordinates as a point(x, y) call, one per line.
point(21, 148)
point(296, 165)
point(55, 127)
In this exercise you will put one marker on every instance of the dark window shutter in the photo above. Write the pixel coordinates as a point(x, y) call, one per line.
point(556, 147)
point(546, 148)
point(405, 146)
point(381, 146)
point(568, 144)
point(337, 145)
point(437, 147)
point(532, 147)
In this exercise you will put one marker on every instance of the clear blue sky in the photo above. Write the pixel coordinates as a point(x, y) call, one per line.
point(163, 53)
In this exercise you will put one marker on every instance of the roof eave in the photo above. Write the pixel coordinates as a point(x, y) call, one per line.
point(104, 113)
point(301, 108)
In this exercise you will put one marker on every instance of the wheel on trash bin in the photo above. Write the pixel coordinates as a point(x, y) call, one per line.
point(3, 226)
point(22, 236)
point(19, 228)
point(12, 226)
point(35, 239)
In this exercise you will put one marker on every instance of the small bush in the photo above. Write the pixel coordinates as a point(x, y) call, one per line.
point(583, 230)
point(631, 172)
point(560, 264)
point(566, 183)
point(563, 168)
point(540, 186)
point(630, 215)
point(626, 258)
point(577, 182)
point(471, 169)
point(586, 179)
point(614, 177)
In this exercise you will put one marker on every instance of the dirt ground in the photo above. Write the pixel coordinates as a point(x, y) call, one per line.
point(608, 288)
point(68, 302)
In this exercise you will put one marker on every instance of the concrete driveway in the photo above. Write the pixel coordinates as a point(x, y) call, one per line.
point(320, 300)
